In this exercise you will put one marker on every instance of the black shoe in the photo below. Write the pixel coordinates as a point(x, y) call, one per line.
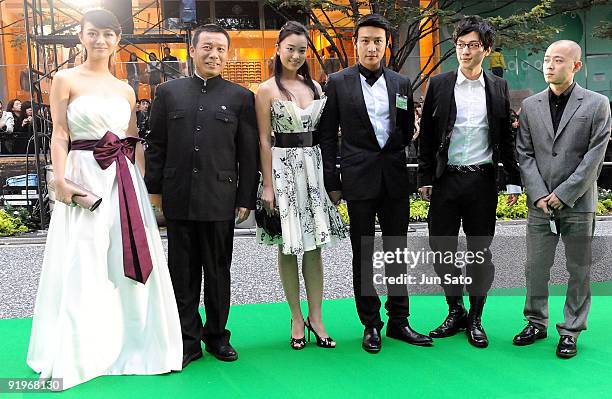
point(190, 357)
point(371, 340)
point(407, 334)
point(529, 335)
point(455, 321)
point(476, 334)
point(567, 347)
point(297, 343)
point(224, 352)
point(325, 342)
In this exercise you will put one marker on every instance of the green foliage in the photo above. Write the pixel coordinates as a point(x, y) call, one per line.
point(607, 203)
point(603, 194)
point(10, 224)
point(506, 212)
point(419, 210)
point(604, 207)
point(603, 30)
point(601, 209)
point(23, 214)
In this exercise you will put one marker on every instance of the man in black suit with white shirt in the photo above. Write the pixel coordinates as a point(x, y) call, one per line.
point(465, 133)
point(373, 107)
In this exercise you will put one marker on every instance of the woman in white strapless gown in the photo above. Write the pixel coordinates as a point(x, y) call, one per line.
point(290, 105)
point(90, 319)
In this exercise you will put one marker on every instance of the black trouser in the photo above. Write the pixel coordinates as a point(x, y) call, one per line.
point(469, 198)
point(191, 246)
point(393, 217)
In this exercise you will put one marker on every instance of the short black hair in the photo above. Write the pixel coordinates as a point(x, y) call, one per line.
point(375, 20)
point(474, 23)
point(213, 28)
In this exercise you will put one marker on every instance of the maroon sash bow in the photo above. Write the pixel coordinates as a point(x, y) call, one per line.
point(137, 263)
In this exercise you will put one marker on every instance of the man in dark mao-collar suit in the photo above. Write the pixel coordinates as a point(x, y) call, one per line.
point(202, 159)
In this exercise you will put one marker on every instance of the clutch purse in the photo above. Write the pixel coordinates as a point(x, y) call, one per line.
point(90, 201)
point(271, 224)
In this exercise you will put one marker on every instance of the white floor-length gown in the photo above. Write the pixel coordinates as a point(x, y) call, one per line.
point(89, 319)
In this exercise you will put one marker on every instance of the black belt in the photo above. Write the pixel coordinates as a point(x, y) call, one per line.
point(293, 140)
point(469, 168)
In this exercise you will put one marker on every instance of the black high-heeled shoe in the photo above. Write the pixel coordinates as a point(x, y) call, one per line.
point(326, 342)
point(297, 343)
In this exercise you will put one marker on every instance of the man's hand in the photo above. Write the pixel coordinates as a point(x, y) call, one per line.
point(425, 193)
point(156, 200)
point(242, 214)
point(555, 202)
point(335, 196)
point(543, 204)
point(511, 199)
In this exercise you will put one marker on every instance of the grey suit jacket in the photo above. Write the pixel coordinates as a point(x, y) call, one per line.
point(568, 162)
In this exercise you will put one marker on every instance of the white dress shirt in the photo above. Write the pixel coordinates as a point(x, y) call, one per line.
point(469, 144)
point(377, 104)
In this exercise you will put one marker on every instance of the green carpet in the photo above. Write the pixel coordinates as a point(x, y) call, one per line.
point(451, 368)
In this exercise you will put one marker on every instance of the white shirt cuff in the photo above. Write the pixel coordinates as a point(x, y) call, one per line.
point(513, 189)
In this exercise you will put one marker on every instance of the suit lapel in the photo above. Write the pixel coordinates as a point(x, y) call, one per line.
point(392, 90)
point(490, 96)
point(447, 108)
point(574, 102)
point(353, 83)
point(544, 112)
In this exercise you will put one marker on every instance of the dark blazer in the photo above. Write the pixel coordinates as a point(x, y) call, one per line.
point(438, 120)
point(364, 166)
point(202, 153)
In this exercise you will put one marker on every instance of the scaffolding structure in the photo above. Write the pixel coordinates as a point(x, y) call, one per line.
point(46, 27)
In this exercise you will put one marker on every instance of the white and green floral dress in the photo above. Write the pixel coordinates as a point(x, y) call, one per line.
point(309, 219)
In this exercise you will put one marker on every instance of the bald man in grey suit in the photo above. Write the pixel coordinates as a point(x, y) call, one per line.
point(562, 140)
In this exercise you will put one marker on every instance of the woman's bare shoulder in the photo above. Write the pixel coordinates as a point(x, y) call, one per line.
point(267, 89)
point(268, 85)
point(126, 91)
point(67, 75)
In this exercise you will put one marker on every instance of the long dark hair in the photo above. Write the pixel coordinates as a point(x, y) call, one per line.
point(101, 19)
point(292, 28)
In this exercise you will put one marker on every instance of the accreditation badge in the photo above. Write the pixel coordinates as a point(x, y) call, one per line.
point(401, 101)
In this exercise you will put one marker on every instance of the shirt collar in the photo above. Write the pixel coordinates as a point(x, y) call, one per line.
point(461, 78)
point(370, 75)
point(563, 96)
point(205, 80)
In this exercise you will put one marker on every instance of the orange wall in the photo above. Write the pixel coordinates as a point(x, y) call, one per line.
point(13, 57)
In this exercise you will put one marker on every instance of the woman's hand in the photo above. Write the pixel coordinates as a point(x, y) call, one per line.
point(64, 192)
point(267, 198)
